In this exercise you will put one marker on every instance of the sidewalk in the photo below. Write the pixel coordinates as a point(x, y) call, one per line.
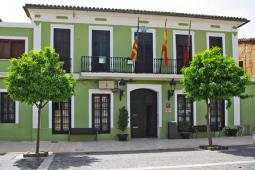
point(115, 146)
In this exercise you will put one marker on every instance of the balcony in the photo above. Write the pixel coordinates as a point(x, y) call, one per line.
point(103, 64)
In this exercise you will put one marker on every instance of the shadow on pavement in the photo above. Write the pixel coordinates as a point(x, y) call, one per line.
point(65, 161)
point(244, 151)
point(28, 163)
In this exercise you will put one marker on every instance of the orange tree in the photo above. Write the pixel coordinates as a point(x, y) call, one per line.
point(211, 76)
point(37, 78)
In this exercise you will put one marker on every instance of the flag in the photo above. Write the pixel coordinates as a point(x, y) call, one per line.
point(134, 52)
point(164, 46)
point(186, 53)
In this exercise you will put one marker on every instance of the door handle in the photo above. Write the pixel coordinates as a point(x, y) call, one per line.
point(135, 127)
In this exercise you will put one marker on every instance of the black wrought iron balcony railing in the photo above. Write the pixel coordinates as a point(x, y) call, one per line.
point(125, 65)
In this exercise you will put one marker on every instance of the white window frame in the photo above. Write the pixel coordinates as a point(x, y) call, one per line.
point(99, 91)
point(16, 107)
point(100, 28)
point(213, 34)
point(153, 31)
point(72, 113)
point(178, 32)
point(176, 92)
point(60, 26)
point(16, 38)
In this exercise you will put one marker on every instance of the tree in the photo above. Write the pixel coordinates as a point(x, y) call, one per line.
point(211, 76)
point(37, 78)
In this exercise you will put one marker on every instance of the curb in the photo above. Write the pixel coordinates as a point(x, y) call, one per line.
point(46, 163)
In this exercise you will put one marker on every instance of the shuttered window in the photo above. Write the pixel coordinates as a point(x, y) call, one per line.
point(11, 48)
point(7, 110)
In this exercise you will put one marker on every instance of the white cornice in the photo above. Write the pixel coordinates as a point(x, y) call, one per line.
point(127, 76)
point(47, 15)
point(16, 24)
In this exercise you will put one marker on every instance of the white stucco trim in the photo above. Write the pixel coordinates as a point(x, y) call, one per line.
point(132, 76)
point(237, 110)
point(35, 116)
point(226, 113)
point(17, 38)
point(102, 28)
point(60, 26)
point(235, 47)
point(100, 91)
point(153, 31)
point(122, 19)
point(176, 92)
point(213, 34)
point(16, 107)
point(154, 87)
point(37, 36)
point(72, 113)
point(16, 25)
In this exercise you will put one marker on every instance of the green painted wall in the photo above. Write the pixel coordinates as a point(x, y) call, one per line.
point(22, 130)
point(17, 32)
point(122, 48)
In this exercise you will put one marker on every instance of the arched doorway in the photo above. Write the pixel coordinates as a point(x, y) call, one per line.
point(143, 113)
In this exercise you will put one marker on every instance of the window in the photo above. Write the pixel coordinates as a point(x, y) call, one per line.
point(215, 41)
point(181, 49)
point(11, 48)
point(240, 63)
point(217, 119)
point(7, 111)
point(62, 45)
point(61, 116)
point(184, 109)
point(101, 112)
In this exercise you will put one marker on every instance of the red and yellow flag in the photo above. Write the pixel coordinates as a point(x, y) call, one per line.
point(164, 47)
point(134, 52)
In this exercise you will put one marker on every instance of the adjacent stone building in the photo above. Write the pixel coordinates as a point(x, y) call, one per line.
point(246, 48)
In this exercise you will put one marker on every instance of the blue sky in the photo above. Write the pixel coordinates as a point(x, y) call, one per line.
point(11, 10)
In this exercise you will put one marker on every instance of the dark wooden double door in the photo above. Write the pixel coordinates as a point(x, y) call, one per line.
point(144, 62)
point(62, 45)
point(143, 113)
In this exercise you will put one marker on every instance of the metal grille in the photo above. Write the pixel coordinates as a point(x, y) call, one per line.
point(184, 109)
point(217, 114)
point(101, 112)
point(7, 111)
point(61, 116)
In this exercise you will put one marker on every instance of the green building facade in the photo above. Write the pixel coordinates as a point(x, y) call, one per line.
point(95, 45)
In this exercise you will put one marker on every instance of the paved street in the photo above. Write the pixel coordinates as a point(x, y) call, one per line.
point(234, 158)
point(114, 145)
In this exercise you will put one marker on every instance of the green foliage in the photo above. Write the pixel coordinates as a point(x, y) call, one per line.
point(213, 76)
point(38, 77)
point(123, 119)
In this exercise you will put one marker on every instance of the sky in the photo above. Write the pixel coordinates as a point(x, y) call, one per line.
point(12, 11)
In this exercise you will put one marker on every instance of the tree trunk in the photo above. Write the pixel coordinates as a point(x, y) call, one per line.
point(209, 133)
point(38, 132)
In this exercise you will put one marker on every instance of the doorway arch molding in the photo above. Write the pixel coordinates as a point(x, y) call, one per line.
point(154, 87)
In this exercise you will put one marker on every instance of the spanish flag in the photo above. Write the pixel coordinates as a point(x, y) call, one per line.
point(164, 46)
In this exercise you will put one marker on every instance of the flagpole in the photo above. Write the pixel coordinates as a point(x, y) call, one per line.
point(162, 51)
point(136, 34)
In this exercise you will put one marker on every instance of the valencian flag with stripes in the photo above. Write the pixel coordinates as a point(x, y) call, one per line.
point(164, 46)
point(134, 52)
point(186, 53)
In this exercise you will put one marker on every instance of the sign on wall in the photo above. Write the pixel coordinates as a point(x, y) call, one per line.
point(168, 108)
